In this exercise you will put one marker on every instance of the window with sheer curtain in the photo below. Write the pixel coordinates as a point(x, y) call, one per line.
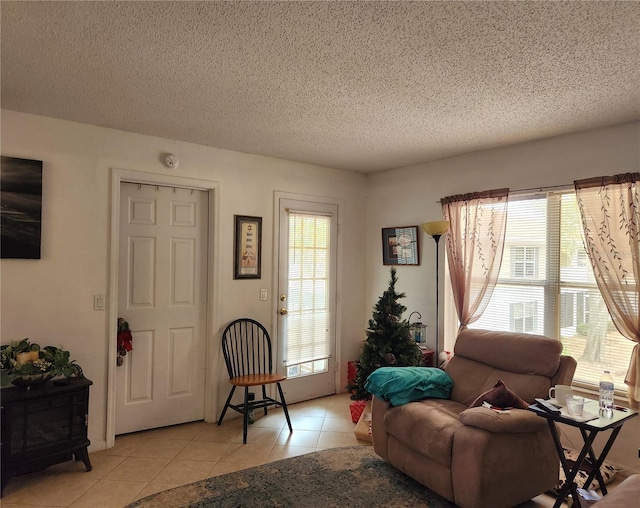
point(547, 287)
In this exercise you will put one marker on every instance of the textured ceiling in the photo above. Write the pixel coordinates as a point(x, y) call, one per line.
point(365, 86)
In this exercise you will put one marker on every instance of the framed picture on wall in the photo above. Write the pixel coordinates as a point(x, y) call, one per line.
point(400, 246)
point(21, 214)
point(247, 247)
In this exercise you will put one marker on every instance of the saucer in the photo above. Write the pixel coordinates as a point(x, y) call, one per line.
point(555, 403)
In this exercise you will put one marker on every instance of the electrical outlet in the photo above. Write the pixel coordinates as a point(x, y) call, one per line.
point(263, 295)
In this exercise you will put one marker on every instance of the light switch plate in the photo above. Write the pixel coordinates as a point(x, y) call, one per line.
point(98, 302)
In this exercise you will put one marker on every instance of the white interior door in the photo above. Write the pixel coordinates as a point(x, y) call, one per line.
point(162, 293)
point(307, 298)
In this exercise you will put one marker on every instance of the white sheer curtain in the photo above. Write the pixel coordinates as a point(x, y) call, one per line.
point(475, 244)
point(610, 210)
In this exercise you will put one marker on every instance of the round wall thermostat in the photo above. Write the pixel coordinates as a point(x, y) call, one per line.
point(170, 160)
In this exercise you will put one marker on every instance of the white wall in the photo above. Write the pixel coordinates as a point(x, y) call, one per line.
point(51, 300)
point(410, 196)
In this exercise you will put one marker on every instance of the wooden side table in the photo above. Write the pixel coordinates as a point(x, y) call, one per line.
point(44, 425)
point(589, 431)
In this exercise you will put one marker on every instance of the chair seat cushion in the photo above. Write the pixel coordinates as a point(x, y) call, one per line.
point(427, 427)
point(257, 379)
point(401, 385)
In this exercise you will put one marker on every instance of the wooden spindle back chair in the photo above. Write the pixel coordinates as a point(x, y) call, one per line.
point(246, 347)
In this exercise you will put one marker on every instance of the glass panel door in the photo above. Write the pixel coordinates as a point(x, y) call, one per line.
point(306, 312)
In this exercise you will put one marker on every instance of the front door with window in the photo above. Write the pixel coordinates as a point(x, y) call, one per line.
point(306, 298)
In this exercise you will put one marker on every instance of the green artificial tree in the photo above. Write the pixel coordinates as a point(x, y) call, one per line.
point(388, 343)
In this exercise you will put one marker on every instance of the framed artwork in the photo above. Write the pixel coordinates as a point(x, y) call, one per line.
point(247, 247)
point(21, 214)
point(400, 246)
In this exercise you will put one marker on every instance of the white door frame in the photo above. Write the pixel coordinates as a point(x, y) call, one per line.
point(119, 176)
point(277, 196)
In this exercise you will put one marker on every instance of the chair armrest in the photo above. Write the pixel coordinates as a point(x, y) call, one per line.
point(514, 422)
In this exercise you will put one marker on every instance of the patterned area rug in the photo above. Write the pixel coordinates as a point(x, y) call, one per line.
point(352, 477)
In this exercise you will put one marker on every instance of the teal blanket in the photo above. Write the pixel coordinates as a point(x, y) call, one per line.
point(400, 385)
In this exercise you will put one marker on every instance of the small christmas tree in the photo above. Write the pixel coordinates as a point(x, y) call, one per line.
point(388, 342)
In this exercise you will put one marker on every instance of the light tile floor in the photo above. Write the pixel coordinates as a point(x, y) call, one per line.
point(146, 462)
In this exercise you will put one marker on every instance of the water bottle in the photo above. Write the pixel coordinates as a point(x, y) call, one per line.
point(606, 394)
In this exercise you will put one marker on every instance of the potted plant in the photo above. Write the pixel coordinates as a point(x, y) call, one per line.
point(26, 364)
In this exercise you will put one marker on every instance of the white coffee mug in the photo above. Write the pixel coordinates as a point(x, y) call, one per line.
point(560, 392)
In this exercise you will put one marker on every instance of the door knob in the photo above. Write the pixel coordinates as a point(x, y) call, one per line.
point(283, 311)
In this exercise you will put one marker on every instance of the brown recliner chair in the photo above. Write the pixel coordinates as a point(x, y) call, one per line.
point(476, 457)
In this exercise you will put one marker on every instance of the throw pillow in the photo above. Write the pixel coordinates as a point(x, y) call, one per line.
point(400, 385)
point(500, 396)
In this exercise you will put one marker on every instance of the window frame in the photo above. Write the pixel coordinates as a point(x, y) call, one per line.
point(525, 263)
point(528, 318)
point(552, 286)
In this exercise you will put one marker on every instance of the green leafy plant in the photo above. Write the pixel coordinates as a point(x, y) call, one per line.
point(22, 358)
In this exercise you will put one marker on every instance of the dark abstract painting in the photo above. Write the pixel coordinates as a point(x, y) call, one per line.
point(21, 208)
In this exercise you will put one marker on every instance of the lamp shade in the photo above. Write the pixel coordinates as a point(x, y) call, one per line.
point(438, 227)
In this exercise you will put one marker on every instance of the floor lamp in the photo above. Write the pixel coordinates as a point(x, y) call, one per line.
point(436, 229)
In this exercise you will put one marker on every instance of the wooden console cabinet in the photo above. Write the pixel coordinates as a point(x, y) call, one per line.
point(44, 425)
